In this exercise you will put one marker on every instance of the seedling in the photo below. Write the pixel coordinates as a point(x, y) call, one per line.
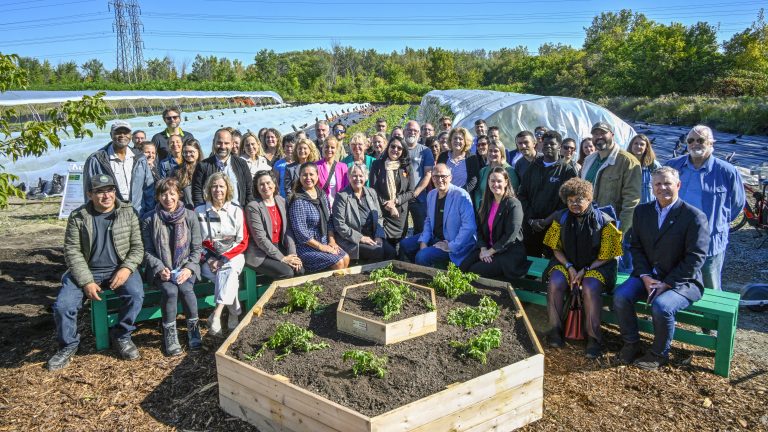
point(479, 346)
point(366, 363)
point(289, 338)
point(470, 317)
point(386, 272)
point(454, 282)
point(302, 297)
point(388, 297)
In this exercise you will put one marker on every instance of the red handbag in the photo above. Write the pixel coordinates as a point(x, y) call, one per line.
point(574, 328)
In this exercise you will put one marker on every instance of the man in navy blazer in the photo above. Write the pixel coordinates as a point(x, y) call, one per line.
point(449, 228)
point(669, 246)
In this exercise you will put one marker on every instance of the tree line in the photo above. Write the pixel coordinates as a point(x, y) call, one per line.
point(624, 54)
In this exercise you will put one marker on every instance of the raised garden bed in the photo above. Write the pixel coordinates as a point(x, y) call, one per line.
point(356, 316)
point(428, 384)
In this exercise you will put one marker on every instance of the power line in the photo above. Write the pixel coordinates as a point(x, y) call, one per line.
point(47, 5)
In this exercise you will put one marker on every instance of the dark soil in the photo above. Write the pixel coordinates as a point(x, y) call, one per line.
point(417, 367)
point(356, 301)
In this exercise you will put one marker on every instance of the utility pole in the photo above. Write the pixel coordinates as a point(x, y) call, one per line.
point(128, 27)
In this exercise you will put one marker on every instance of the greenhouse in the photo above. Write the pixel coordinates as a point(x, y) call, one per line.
point(515, 112)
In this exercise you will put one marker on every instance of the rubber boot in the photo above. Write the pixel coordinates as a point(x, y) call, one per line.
point(171, 345)
point(193, 334)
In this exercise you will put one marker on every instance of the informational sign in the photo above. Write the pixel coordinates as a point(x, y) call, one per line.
point(73, 190)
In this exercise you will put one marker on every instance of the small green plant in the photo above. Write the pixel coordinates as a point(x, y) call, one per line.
point(479, 346)
point(388, 297)
point(386, 272)
point(302, 297)
point(429, 305)
point(454, 282)
point(470, 317)
point(366, 363)
point(289, 338)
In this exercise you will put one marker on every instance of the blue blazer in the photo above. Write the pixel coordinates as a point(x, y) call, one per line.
point(459, 227)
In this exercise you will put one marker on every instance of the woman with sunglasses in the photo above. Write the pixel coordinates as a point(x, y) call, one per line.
point(641, 148)
point(567, 153)
point(391, 179)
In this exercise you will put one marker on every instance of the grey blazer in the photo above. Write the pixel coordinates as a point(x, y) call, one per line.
point(153, 262)
point(260, 229)
point(347, 223)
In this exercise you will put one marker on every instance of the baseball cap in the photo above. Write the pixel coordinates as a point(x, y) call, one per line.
point(603, 126)
point(121, 124)
point(101, 180)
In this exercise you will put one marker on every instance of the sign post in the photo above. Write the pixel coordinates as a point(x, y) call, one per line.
point(73, 190)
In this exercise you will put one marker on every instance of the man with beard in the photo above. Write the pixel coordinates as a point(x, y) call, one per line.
point(138, 137)
point(422, 162)
point(127, 166)
point(540, 192)
point(617, 179)
point(713, 186)
point(322, 130)
point(222, 160)
point(172, 119)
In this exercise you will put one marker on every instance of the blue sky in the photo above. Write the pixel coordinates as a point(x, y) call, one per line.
point(61, 30)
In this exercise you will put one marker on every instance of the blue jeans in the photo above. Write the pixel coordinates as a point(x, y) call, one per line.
point(711, 271)
point(418, 212)
point(663, 310)
point(429, 256)
point(70, 300)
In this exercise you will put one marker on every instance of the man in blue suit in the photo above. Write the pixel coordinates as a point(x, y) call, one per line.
point(669, 246)
point(449, 228)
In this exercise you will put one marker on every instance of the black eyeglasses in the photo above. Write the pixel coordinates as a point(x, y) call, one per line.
point(569, 148)
point(697, 140)
point(339, 131)
point(171, 117)
point(396, 148)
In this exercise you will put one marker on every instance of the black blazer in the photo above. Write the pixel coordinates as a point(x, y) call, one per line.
point(260, 230)
point(676, 252)
point(507, 226)
point(208, 166)
point(378, 181)
point(473, 170)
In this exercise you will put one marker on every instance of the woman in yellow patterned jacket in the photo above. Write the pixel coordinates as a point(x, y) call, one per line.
point(585, 242)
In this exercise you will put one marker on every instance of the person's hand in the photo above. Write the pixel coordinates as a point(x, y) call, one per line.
point(649, 283)
point(183, 275)
point(537, 225)
point(214, 265)
point(660, 287)
point(393, 211)
point(367, 240)
point(92, 291)
point(379, 241)
point(572, 273)
point(422, 245)
point(165, 274)
point(579, 276)
point(119, 278)
point(442, 245)
point(486, 256)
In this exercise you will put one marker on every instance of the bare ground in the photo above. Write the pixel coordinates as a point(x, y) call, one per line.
point(98, 391)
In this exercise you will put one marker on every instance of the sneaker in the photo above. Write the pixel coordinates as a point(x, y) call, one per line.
point(61, 359)
point(193, 334)
point(628, 353)
point(594, 349)
point(234, 315)
point(554, 339)
point(171, 346)
point(214, 325)
point(651, 361)
point(126, 349)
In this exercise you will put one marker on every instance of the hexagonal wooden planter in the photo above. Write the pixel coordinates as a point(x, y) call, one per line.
point(501, 400)
point(383, 332)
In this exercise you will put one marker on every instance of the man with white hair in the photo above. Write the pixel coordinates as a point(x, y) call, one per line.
point(422, 162)
point(713, 186)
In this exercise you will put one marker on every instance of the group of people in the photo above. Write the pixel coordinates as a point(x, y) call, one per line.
point(286, 205)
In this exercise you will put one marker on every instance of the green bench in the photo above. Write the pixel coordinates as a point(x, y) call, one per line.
point(717, 310)
point(104, 312)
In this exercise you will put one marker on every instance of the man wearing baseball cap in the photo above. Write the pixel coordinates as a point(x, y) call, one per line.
point(102, 249)
point(616, 177)
point(127, 166)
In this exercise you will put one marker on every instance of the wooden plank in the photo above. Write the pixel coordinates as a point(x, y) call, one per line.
point(513, 419)
point(458, 397)
point(501, 404)
point(410, 328)
point(235, 409)
point(271, 411)
point(364, 328)
point(531, 333)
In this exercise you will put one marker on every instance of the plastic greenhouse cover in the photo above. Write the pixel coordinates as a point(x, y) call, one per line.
point(38, 97)
point(515, 112)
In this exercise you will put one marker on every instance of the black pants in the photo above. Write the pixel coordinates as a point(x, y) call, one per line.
point(277, 270)
point(534, 242)
point(169, 298)
point(376, 253)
